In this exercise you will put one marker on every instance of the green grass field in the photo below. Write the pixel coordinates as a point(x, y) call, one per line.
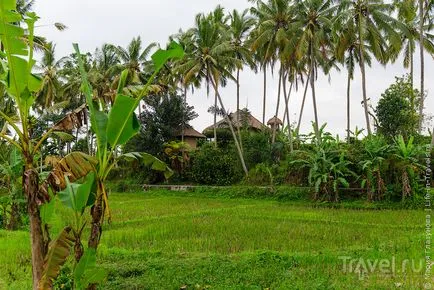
point(181, 241)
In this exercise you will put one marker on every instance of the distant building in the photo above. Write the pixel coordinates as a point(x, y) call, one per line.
point(275, 122)
point(241, 118)
point(191, 136)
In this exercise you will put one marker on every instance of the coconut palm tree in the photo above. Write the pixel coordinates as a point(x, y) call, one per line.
point(376, 27)
point(210, 60)
point(104, 72)
point(271, 36)
point(52, 88)
point(240, 26)
point(407, 13)
point(346, 52)
point(313, 20)
point(133, 58)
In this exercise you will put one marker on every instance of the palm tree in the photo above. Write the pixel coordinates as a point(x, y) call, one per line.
point(240, 25)
point(271, 37)
point(133, 58)
point(314, 22)
point(346, 52)
point(426, 24)
point(407, 13)
point(422, 63)
point(210, 59)
point(51, 89)
point(103, 73)
point(376, 27)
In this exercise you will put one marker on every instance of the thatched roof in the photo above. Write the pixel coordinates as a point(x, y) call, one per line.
point(274, 121)
point(190, 132)
point(240, 118)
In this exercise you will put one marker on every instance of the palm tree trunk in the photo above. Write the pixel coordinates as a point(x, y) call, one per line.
point(264, 101)
point(286, 114)
point(362, 70)
point(312, 85)
point(39, 246)
point(302, 104)
point(412, 71)
point(278, 104)
point(422, 64)
point(348, 106)
point(215, 120)
point(237, 145)
point(238, 109)
point(183, 121)
point(238, 89)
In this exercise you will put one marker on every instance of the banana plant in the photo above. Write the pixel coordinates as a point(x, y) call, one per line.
point(329, 168)
point(374, 155)
point(112, 129)
point(408, 154)
point(75, 198)
point(16, 60)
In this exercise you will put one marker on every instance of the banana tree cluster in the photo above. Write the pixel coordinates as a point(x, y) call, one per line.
point(81, 175)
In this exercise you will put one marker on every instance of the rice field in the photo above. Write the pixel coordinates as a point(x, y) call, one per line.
point(178, 241)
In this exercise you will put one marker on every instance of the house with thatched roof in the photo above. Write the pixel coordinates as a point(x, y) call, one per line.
point(191, 136)
point(241, 118)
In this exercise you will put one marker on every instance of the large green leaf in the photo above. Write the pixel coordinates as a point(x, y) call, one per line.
point(149, 160)
point(76, 196)
point(122, 121)
point(98, 119)
point(19, 81)
point(86, 271)
point(160, 57)
point(57, 255)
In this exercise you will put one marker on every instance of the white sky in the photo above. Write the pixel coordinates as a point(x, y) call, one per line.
point(92, 23)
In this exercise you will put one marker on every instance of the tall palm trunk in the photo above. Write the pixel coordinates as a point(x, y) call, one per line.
point(362, 70)
point(286, 114)
point(264, 100)
point(183, 121)
point(278, 104)
point(312, 85)
point(38, 243)
point(348, 106)
point(412, 68)
point(302, 103)
point(238, 109)
point(215, 119)
point(422, 64)
point(228, 120)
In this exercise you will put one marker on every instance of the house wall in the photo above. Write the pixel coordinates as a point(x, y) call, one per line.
point(191, 141)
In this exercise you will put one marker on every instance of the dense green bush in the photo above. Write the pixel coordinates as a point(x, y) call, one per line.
point(396, 110)
point(214, 166)
point(256, 148)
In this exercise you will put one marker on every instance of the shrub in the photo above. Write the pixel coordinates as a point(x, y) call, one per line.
point(256, 148)
point(214, 166)
point(396, 110)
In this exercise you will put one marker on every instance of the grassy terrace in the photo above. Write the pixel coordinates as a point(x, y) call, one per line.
point(161, 240)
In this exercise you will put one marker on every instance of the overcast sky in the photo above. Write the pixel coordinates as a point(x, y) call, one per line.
point(92, 23)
